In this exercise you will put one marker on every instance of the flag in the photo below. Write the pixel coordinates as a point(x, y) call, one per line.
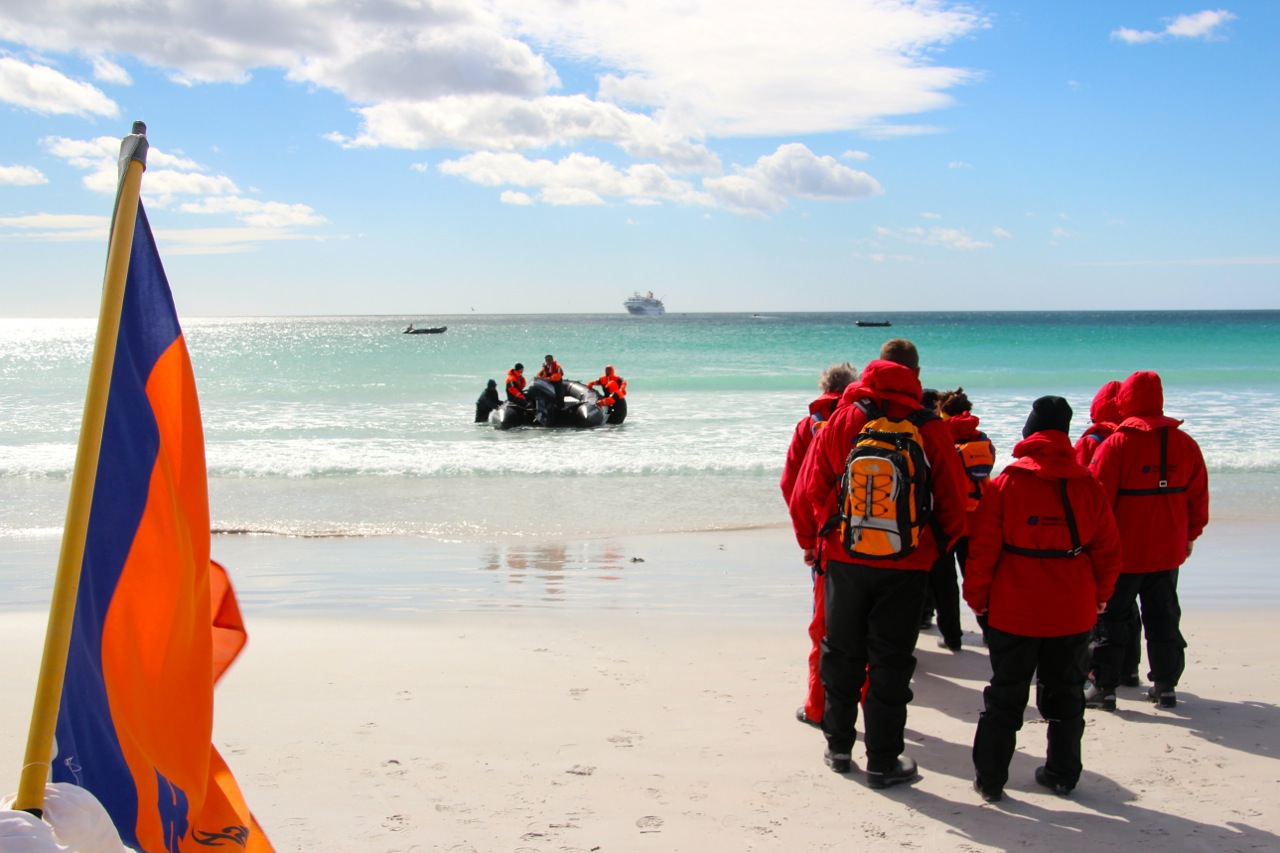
point(155, 621)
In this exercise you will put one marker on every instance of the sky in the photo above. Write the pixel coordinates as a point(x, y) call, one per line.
point(425, 157)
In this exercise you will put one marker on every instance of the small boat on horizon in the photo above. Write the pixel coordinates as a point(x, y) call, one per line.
point(872, 323)
point(426, 330)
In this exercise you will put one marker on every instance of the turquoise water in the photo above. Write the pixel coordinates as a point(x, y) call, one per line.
point(342, 425)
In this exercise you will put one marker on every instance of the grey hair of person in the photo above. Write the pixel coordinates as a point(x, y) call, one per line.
point(837, 377)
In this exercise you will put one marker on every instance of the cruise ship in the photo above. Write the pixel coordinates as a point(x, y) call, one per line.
point(645, 303)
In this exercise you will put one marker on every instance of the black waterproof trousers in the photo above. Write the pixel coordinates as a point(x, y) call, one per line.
point(1161, 620)
point(1059, 666)
point(873, 621)
point(946, 598)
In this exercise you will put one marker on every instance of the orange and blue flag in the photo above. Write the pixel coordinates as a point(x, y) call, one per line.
point(156, 621)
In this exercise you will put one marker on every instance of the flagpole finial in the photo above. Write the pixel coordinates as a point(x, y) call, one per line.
point(133, 147)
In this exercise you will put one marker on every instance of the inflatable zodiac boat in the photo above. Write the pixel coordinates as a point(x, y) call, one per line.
point(575, 407)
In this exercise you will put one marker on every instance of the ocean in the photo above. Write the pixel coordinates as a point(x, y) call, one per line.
point(344, 426)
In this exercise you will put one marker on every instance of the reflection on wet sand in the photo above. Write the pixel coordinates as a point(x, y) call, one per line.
point(554, 564)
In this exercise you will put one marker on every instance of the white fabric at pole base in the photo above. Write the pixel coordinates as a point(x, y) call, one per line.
point(74, 822)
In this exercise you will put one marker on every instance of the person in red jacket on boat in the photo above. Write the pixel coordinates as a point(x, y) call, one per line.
point(1154, 475)
point(515, 384)
point(1044, 554)
point(873, 606)
point(832, 383)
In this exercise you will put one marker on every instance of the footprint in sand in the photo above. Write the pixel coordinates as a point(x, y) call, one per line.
point(581, 770)
point(649, 823)
point(627, 739)
point(396, 823)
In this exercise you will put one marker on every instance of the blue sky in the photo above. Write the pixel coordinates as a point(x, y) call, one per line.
point(424, 157)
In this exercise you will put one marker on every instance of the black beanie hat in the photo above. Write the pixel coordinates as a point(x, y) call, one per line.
point(1048, 413)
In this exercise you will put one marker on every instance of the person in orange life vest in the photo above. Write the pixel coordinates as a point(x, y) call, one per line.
point(1044, 555)
point(977, 454)
point(612, 386)
point(515, 384)
point(550, 370)
point(1155, 477)
point(873, 607)
point(1104, 414)
point(832, 383)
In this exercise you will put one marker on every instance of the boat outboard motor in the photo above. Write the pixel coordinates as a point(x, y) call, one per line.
point(543, 394)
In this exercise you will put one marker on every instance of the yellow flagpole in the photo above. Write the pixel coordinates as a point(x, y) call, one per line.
point(66, 584)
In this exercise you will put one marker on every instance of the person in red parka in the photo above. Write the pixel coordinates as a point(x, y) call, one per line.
point(873, 606)
point(1104, 415)
point(1154, 475)
point(977, 455)
point(832, 383)
point(1044, 554)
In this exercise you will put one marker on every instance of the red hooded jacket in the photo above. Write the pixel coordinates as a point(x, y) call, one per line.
point(1155, 528)
point(964, 428)
point(1042, 596)
point(1105, 414)
point(896, 389)
point(819, 412)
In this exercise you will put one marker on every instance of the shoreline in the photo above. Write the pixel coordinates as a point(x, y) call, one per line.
point(735, 575)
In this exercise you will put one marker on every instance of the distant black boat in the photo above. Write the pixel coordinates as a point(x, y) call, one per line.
point(433, 330)
point(872, 323)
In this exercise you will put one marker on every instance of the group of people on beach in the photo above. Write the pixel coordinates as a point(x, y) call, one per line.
point(612, 393)
point(1067, 557)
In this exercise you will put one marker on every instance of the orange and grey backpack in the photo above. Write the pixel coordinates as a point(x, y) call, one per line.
point(885, 498)
point(978, 456)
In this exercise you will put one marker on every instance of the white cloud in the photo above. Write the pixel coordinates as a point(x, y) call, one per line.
point(221, 241)
point(855, 155)
point(1001, 233)
point(1199, 25)
point(21, 176)
point(575, 179)
point(505, 123)
point(188, 188)
point(168, 175)
point(930, 215)
point(946, 238)
point(106, 71)
point(959, 164)
point(45, 90)
point(261, 214)
point(513, 197)
point(791, 171)
point(59, 227)
point(696, 69)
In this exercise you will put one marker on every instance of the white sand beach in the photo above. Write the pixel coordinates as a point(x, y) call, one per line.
point(643, 727)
